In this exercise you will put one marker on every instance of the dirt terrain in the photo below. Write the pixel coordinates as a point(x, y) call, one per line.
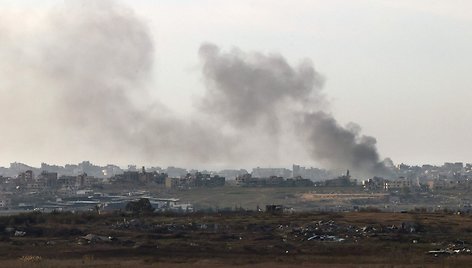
point(247, 239)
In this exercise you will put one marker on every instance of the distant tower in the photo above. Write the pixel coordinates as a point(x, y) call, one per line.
point(347, 174)
point(295, 171)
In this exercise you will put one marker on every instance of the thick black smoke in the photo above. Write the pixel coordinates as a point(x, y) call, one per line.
point(337, 147)
point(246, 89)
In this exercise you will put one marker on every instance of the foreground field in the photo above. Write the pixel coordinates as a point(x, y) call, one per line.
point(356, 239)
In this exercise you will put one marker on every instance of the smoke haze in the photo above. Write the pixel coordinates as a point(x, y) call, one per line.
point(80, 84)
point(76, 84)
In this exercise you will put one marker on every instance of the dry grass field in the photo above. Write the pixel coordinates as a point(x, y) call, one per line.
point(242, 239)
point(251, 197)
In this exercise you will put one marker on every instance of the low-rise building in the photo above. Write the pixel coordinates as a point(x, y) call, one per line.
point(400, 184)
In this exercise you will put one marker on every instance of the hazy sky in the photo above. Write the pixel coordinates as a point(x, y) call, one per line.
point(399, 69)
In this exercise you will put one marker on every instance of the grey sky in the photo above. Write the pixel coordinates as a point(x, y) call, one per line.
point(400, 69)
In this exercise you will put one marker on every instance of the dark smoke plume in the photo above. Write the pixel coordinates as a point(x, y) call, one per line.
point(246, 89)
point(337, 147)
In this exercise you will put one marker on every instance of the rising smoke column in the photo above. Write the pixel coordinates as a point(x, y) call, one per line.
point(338, 147)
point(246, 89)
point(84, 75)
point(255, 95)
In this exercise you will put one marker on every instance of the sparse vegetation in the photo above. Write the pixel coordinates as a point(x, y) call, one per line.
point(231, 238)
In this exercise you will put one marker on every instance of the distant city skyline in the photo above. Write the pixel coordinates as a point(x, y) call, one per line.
point(398, 69)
